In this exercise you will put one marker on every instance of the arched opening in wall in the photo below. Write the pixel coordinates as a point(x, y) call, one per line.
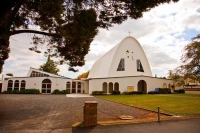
point(105, 87)
point(169, 85)
point(16, 85)
point(10, 85)
point(164, 85)
point(110, 87)
point(79, 87)
point(68, 86)
point(23, 84)
point(142, 86)
point(116, 86)
point(73, 87)
point(46, 86)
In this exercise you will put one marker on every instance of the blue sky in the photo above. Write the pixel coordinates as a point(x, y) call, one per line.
point(163, 32)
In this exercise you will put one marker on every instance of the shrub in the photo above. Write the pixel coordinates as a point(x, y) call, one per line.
point(161, 91)
point(115, 92)
point(132, 92)
point(153, 92)
point(24, 91)
point(60, 92)
point(98, 92)
point(180, 91)
point(164, 91)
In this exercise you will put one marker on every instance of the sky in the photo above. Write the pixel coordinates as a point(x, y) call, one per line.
point(163, 32)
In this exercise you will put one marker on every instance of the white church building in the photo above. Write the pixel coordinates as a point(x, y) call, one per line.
point(125, 68)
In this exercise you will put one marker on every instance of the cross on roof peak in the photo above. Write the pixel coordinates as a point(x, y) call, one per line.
point(129, 33)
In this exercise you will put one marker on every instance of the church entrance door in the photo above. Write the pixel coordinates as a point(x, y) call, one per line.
point(142, 86)
point(46, 86)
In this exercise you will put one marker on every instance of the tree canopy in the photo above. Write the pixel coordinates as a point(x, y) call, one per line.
point(189, 71)
point(50, 66)
point(191, 58)
point(83, 75)
point(67, 27)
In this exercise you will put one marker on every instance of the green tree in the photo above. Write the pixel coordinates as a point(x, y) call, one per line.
point(191, 58)
point(67, 26)
point(83, 75)
point(178, 80)
point(50, 66)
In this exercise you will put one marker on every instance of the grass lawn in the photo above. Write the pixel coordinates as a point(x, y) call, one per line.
point(177, 104)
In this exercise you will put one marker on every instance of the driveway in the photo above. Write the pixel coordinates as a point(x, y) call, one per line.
point(55, 113)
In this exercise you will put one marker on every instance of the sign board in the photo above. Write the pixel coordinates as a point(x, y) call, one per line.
point(130, 88)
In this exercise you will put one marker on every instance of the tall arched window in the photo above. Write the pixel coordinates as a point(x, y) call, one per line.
point(46, 86)
point(105, 87)
point(73, 87)
point(16, 85)
point(116, 86)
point(110, 87)
point(23, 84)
point(10, 85)
point(79, 87)
point(68, 86)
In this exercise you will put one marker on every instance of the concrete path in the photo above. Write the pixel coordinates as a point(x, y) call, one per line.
point(78, 95)
point(183, 126)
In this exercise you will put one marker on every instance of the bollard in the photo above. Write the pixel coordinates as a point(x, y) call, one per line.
point(158, 114)
point(90, 113)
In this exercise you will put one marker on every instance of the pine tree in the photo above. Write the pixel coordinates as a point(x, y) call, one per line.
point(50, 66)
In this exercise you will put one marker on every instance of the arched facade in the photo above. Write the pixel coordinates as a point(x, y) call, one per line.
point(46, 86)
point(127, 58)
point(164, 85)
point(10, 85)
point(116, 86)
point(23, 85)
point(142, 86)
point(110, 87)
point(79, 87)
point(68, 86)
point(16, 85)
point(104, 87)
point(73, 87)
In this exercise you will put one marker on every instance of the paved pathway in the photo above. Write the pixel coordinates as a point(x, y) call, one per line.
point(45, 113)
point(183, 126)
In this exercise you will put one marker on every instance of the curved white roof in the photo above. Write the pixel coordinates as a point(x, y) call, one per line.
point(128, 51)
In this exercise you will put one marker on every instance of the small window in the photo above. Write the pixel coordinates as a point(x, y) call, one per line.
point(139, 66)
point(121, 66)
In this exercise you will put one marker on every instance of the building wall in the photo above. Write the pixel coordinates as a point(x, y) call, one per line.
point(36, 83)
point(124, 82)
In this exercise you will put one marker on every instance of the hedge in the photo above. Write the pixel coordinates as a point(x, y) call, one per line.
point(161, 91)
point(179, 91)
point(115, 92)
point(132, 92)
point(98, 92)
point(24, 91)
point(60, 92)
